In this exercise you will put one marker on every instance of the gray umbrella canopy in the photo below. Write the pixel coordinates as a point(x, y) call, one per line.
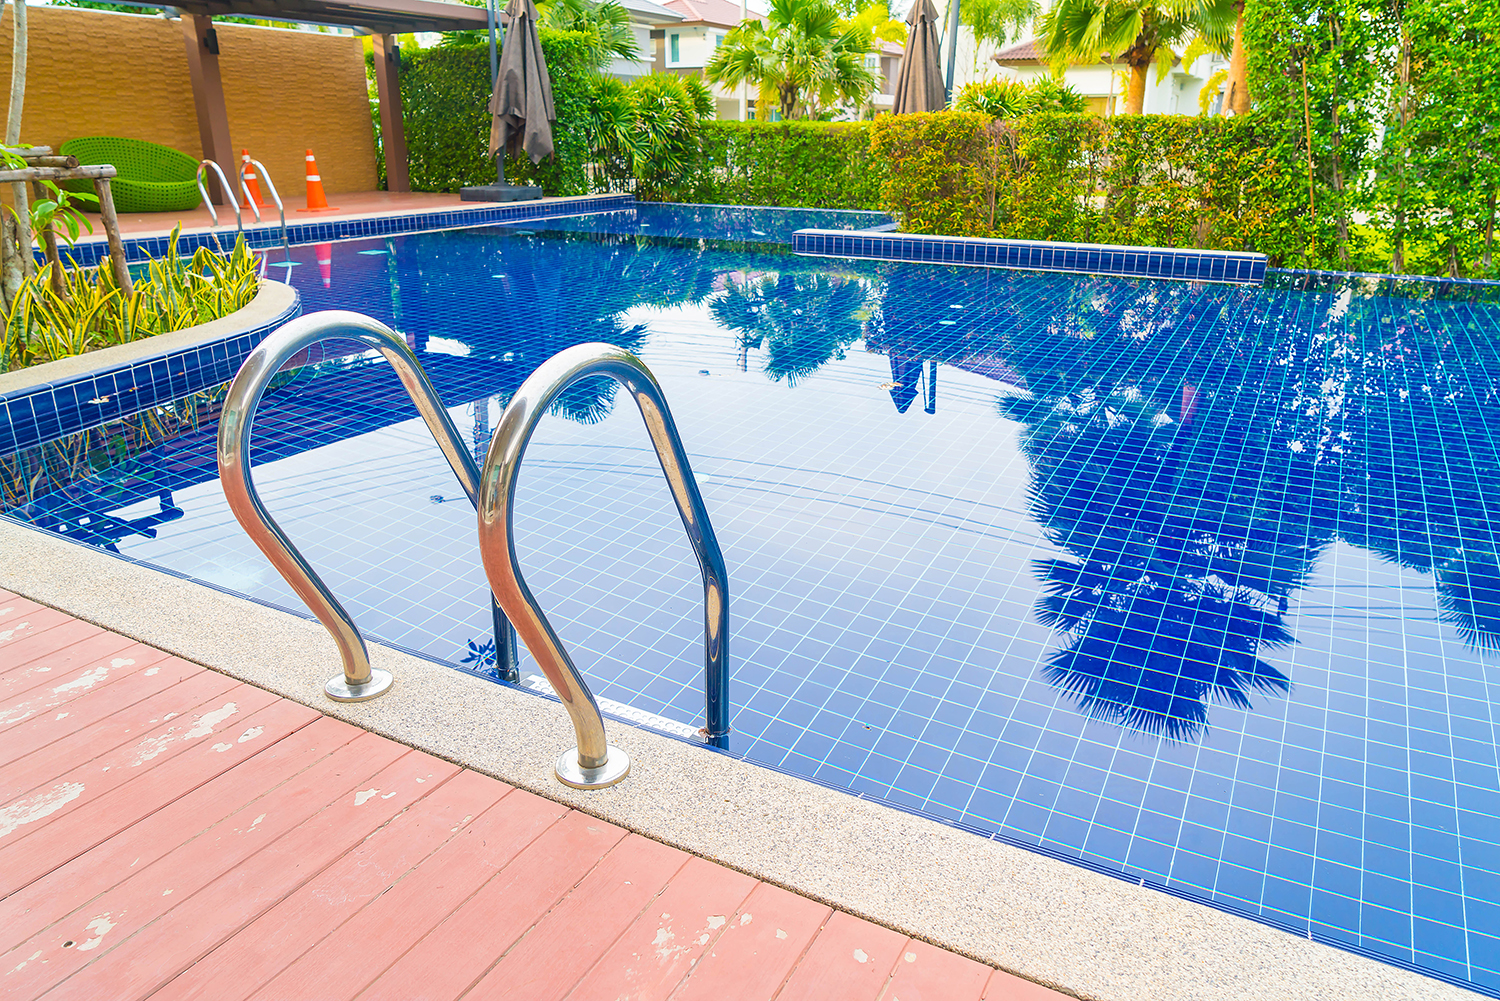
point(521, 106)
point(920, 85)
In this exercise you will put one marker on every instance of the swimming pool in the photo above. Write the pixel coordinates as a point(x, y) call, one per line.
point(1194, 584)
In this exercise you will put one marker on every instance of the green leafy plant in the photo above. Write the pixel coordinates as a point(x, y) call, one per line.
point(797, 164)
point(93, 312)
point(803, 59)
point(645, 134)
point(1001, 98)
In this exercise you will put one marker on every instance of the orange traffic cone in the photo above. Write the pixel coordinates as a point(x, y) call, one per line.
point(252, 183)
point(324, 254)
point(316, 200)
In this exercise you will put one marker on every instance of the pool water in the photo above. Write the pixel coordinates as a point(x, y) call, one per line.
point(1194, 584)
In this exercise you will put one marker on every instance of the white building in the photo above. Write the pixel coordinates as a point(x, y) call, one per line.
point(1104, 86)
point(684, 47)
point(645, 17)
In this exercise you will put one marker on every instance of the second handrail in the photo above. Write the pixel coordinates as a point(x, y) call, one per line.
point(594, 762)
point(239, 222)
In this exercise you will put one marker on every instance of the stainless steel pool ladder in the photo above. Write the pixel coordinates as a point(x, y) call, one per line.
point(594, 763)
point(275, 197)
point(213, 214)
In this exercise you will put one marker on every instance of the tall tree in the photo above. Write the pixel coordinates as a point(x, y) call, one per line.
point(803, 58)
point(1135, 32)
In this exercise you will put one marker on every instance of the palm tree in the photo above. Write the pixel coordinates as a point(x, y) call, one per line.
point(606, 21)
point(803, 58)
point(1135, 32)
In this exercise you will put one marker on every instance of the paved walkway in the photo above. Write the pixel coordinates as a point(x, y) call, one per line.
point(169, 832)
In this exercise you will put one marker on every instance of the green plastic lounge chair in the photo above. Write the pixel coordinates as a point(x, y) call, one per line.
point(151, 178)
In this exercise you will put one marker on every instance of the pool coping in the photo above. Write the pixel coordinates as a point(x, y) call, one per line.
point(43, 402)
point(267, 235)
point(1051, 921)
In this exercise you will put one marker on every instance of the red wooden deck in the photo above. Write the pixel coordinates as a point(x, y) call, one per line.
point(168, 832)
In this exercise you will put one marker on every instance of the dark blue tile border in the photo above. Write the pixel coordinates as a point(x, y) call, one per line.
point(41, 413)
point(1234, 267)
point(267, 236)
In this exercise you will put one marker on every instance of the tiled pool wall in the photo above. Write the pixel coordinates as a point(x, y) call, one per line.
point(1235, 267)
point(50, 410)
point(267, 236)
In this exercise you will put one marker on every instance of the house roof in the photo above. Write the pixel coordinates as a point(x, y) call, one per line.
point(720, 13)
point(1026, 52)
point(646, 12)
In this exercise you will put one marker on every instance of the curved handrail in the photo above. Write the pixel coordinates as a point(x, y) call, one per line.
point(359, 681)
point(594, 762)
point(239, 222)
point(275, 195)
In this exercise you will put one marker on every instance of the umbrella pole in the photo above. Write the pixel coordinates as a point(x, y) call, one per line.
point(489, 10)
point(952, 48)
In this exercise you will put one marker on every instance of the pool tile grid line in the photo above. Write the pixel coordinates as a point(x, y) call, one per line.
point(42, 413)
point(1227, 266)
point(267, 236)
point(253, 846)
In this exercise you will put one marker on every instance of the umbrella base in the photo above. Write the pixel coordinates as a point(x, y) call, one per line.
point(500, 193)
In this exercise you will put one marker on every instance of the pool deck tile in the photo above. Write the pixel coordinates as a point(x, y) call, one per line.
point(169, 832)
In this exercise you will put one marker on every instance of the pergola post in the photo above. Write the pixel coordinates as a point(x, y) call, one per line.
point(208, 96)
point(392, 128)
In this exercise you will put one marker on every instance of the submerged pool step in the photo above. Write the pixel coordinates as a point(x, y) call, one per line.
point(1227, 266)
point(631, 714)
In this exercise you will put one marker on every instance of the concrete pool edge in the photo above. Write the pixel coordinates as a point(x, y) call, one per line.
point(1048, 920)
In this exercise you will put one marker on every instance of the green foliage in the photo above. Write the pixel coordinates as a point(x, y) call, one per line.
point(606, 23)
point(803, 59)
point(1150, 180)
point(1002, 98)
point(1135, 32)
point(645, 135)
point(995, 21)
point(445, 97)
point(796, 164)
point(93, 312)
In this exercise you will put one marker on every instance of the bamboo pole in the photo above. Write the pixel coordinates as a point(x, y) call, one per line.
point(26, 152)
point(49, 247)
point(42, 160)
point(88, 172)
point(112, 233)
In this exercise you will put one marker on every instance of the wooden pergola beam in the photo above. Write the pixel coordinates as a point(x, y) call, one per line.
point(208, 97)
point(392, 128)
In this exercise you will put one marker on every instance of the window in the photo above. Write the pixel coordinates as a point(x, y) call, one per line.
point(872, 62)
point(674, 54)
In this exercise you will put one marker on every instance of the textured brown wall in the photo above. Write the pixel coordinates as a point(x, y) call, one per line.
point(92, 73)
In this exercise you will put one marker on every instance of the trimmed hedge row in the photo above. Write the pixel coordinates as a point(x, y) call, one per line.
point(797, 164)
point(1143, 180)
point(445, 96)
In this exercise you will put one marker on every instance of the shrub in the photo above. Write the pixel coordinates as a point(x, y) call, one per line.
point(1145, 180)
point(445, 107)
point(645, 136)
point(797, 164)
point(94, 312)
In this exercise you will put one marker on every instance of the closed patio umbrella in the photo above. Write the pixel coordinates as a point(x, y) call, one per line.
point(521, 110)
point(920, 84)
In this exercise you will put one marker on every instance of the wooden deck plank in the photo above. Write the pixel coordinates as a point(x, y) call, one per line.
point(926, 973)
point(63, 706)
point(54, 662)
point(278, 937)
point(78, 881)
point(112, 917)
point(14, 607)
point(465, 944)
point(758, 949)
point(199, 923)
point(33, 636)
point(850, 960)
point(111, 812)
point(119, 742)
point(564, 945)
point(664, 943)
point(1009, 987)
point(354, 954)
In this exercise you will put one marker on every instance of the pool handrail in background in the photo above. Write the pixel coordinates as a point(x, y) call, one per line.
point(359, 682)
point(594, 763)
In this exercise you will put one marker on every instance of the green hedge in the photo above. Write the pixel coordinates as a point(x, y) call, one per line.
point(445, 97)
point(800, 164)
point(1145, 180)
